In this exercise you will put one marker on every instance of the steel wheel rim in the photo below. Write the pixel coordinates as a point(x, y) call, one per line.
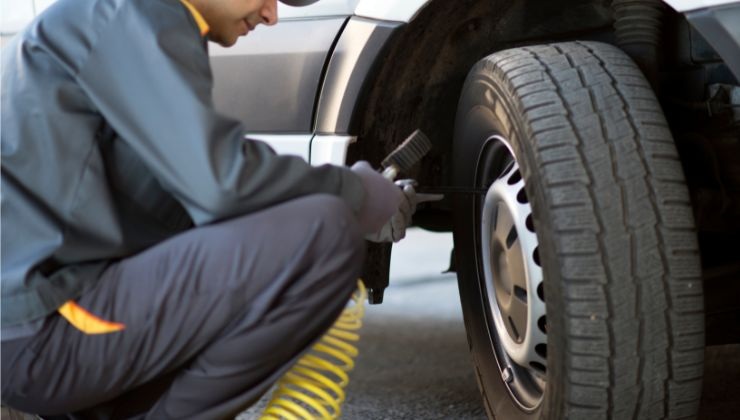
point(512, 281)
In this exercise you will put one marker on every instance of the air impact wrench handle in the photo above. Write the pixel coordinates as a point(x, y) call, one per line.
point(406, 155)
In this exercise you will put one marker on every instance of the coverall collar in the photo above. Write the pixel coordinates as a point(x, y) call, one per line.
point(199, 20)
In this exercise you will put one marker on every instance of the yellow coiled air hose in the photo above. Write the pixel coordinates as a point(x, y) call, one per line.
point(314, 387)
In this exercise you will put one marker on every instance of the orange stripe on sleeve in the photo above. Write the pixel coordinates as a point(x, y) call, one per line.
point(86, 322)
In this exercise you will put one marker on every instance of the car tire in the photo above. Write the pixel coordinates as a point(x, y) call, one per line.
point(579, 269)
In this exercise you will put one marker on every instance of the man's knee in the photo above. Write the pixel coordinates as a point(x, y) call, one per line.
point(339, 232)
point(318, 233)
point(335, 214)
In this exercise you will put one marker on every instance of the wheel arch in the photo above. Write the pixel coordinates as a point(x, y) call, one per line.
point(417, 81)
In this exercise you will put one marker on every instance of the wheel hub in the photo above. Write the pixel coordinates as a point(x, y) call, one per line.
point(513, 283)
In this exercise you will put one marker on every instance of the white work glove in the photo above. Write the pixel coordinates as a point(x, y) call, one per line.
point(395, 229)
point(382, 198)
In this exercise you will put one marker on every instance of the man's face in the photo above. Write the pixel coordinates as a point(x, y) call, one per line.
point(230, 19)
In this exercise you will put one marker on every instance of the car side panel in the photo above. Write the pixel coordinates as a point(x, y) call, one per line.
point(395, 10)
point(391, 10)
point(321, 8)
point(269, 80)
point(721, 27)
point(358, 50)
point(686, 5)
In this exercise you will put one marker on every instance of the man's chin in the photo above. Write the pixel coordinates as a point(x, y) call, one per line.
point(225, 41)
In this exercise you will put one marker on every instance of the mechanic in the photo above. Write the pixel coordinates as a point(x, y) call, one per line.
point(155, 263)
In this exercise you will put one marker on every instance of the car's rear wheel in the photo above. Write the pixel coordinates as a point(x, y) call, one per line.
point(579, 270)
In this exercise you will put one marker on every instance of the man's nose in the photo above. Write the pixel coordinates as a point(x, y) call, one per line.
point(269, 13)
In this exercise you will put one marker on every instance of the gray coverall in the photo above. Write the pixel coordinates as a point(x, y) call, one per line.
point(125, 193)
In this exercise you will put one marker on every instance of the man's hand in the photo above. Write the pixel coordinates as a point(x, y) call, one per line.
point(382, 198)
point(395, 229)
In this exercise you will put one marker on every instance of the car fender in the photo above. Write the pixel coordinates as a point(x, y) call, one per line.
point(718, 21)
point(308, 90)
point(687, 5)
point(390, 10)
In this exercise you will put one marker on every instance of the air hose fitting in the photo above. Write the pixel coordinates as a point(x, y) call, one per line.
point(637, 26)
point(314, 387)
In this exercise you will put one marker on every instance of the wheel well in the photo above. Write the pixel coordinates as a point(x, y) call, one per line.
point(419, 79)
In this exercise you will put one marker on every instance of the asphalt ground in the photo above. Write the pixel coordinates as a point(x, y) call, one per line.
point(414, 361)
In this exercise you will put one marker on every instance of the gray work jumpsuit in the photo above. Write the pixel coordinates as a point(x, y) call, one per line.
point(124, 194)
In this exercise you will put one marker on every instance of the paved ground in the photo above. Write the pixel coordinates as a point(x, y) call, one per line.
point(414, 361)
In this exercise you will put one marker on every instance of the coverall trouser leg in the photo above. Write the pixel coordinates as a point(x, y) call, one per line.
point(213, 317)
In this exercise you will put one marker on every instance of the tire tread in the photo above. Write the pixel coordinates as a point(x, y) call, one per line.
point(624, 153)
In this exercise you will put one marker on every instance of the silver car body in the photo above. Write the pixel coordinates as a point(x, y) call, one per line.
point(298, 95)
point(296, 85)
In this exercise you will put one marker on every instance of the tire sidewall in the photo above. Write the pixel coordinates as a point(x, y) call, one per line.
point(488, 107)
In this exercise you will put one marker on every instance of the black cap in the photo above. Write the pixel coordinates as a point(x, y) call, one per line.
point(298, 3)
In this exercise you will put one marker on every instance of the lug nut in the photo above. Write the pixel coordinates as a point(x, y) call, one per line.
point(507, 375)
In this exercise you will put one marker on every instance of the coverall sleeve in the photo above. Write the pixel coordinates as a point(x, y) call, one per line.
point(149, 76)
